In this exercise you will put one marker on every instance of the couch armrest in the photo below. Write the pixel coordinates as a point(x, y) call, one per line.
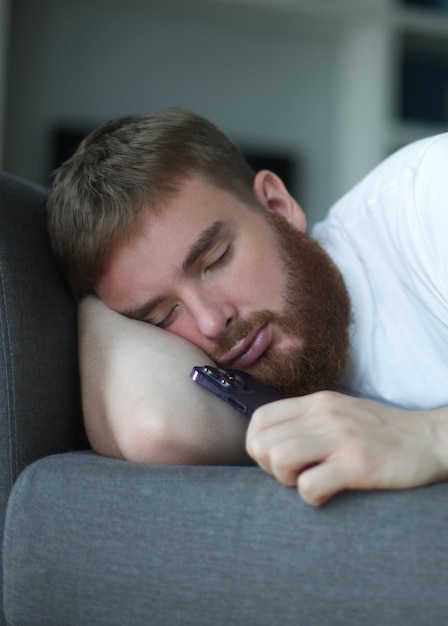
point(40, 409)
point(90, 540)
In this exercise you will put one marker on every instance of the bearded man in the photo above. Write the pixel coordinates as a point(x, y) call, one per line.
point(160, 219)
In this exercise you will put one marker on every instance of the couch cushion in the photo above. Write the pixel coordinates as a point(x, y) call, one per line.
point(39, 394)
point(91, 541)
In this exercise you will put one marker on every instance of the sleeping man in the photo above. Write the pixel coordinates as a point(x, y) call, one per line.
point(181, 255)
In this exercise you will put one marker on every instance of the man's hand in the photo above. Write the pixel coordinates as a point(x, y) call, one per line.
point(327, 442)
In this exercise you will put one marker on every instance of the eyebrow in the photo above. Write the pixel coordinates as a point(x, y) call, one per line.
point(203, 243)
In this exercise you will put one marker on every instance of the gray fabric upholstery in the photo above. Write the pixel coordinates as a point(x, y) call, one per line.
point(91, 541)
point(39, 395)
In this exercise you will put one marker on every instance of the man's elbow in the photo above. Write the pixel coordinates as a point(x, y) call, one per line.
point(138, 440)
point(150, 443)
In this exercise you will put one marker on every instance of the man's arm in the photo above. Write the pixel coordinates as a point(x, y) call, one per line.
point(139, 402)
point(326, 442)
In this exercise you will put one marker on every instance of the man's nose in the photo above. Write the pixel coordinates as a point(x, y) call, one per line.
point(214, 317)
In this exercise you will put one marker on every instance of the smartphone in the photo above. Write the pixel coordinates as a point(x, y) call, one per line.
point(239, 389)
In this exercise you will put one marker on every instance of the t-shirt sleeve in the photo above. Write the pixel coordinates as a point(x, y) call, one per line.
point(430, 204)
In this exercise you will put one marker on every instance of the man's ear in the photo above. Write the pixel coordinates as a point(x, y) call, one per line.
point(271, 192)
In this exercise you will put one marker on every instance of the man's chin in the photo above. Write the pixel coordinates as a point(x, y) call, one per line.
point(278, 371)
point(295, 374)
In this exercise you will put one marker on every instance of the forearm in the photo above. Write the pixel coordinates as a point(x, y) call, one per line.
point(138, 400)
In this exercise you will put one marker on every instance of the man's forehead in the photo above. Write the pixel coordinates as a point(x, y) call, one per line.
point(178, 228)
point(161, 247)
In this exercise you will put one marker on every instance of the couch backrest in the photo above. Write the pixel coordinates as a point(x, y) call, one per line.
point(39, 388)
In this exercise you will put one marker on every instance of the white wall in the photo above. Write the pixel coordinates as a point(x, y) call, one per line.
point(83, 62)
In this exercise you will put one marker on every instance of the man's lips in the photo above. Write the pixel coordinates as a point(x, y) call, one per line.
point(249, 349)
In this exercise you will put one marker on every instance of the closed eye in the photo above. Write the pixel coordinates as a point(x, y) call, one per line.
point(220, 260)
point(167, 320)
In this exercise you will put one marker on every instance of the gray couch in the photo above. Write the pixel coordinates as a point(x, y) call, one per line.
point(90, 541)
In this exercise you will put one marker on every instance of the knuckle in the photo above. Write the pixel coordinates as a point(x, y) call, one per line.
point(280, 458)
point(277, 457)
point(256, 449)
point(283, 466)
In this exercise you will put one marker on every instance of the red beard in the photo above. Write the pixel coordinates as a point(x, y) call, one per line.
point(316, 318)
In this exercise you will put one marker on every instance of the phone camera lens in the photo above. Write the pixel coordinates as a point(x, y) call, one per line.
point(235, 381)
point(227, 378)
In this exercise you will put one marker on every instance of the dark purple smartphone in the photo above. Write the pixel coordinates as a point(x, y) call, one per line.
point(239, 389)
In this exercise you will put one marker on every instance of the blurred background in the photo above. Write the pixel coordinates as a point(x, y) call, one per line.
point(318, 90)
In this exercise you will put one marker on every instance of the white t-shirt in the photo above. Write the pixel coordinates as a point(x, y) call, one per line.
point(389, 237)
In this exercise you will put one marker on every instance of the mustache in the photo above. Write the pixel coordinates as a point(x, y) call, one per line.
point(240, 331)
